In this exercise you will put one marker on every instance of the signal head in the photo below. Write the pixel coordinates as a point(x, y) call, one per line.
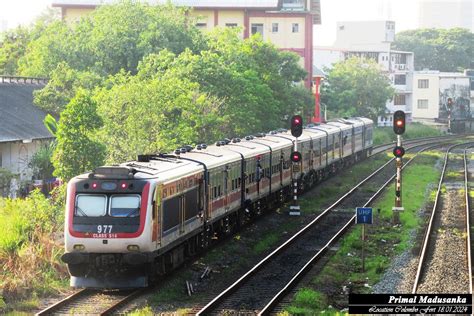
point(399, 151)
point(399, 122)
point(296, 125)
point(296, 156)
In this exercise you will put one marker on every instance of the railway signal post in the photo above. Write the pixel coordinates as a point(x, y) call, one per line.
point(296, 131)
point(398, 152)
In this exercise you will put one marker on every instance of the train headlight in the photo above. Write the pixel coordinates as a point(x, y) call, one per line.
point(133, 248)
point(79, 247)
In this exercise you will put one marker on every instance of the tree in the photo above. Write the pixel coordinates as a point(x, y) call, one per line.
point(77, 151)
point(356, 87)
point(41, 163)
point(438, 49)
point(111, 38)
point(155, 115)
point(62, 86)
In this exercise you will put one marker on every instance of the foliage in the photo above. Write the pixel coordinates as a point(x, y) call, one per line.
point(111, 38)
point(61, 88)
point(77, 126)
point(6, 177)
point(41, 163)
point(356, 87)
point(13, 43)
point(30, 247)
point(383, 135)
point(438, 49)
point(51, 124)
point(156, 115)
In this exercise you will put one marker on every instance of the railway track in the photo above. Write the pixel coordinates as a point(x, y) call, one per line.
point(265, 285)
point(92, 302)
point(445, 258)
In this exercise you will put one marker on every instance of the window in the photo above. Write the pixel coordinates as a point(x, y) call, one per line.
point(90, 205)
point(399, 99)
point(295, 27)
point(423, 83)
point(201, 25)
point(274, 27)
point(257, 28)
point(125, 205)
point(231, 24)
point(400, 79)
point(422, 104)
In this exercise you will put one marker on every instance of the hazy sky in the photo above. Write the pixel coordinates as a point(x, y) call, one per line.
point(403, 12)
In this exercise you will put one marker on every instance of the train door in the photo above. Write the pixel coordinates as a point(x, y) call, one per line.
point(225, 181)
point(353, 139)
point(156, 216)
point(182, 207)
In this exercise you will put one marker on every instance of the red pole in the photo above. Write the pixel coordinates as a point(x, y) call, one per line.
point(317, 101)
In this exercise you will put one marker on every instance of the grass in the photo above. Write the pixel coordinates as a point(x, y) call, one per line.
point(383, 135)
point(30, 247)
point(384, 240)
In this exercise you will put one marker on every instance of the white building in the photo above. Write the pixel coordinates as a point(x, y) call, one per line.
point(372, 39)
point(446, 14)
point(433, 89)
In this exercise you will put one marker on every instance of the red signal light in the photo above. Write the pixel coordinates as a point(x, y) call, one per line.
point(123, 185)
point(399, 151)
point(296, 156)
point(296, 126)
point(399, 122)
point(94, 185)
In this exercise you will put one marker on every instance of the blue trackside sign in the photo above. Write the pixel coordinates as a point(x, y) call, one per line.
point(363, 215)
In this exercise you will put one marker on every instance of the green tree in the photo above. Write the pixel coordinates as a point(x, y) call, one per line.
point(62, 86)
point(111, 38)
point(77, 151)
point(356, 87)
point(155, 115)
point(438, 49)
point(41, 163)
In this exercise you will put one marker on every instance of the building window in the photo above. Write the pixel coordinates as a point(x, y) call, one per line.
point(231, 24)
point(295, 27)
point(201, 25)
point(423, 83)
point(274, 27)
point(400, 79)
point(399, 99)
point(257, 28)
point(422, 104)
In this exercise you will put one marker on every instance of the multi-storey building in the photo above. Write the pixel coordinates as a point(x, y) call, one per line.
point(433, 91)
point(286, 23)
point(372, 40)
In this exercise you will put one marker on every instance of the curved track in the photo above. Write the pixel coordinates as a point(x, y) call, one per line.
point(262, 287)
point(445, 258)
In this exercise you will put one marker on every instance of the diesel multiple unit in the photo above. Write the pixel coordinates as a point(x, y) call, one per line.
point(127, 224)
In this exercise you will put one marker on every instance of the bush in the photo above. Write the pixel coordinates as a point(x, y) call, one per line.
point(30, 246)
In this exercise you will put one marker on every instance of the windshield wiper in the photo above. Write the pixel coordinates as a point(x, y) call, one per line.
point(131, 212)
point(81, 211)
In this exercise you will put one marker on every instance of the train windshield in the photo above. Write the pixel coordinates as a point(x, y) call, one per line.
point(125, 205)
point(91, 205)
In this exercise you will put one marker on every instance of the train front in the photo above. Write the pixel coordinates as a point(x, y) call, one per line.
point(106, 229)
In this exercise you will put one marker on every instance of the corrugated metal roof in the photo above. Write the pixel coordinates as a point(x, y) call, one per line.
point(188, 3)
point(19, 118)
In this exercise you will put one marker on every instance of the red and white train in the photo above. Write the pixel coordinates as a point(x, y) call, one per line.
point(127, 224)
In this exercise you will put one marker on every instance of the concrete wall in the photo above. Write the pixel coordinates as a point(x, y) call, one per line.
point(15, 157)
point(371, 35)
point(431, 94)
point(284, 38)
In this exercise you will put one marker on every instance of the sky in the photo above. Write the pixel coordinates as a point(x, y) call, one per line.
point(403, 12)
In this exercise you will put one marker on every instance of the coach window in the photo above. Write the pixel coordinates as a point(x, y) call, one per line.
point(125, 205)
point(90, 205)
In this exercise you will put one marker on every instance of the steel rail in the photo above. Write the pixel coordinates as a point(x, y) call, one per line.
point(292, 283)
point(430, 225)
point(122, 302)
point(468, 221)
point(64, 302)
point(233, 287)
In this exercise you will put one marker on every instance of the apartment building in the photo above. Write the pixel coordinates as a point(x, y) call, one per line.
point(434, 90)
point(372, 40)
point(286, 23)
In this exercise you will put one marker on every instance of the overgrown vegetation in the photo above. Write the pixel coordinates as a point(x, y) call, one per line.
point(30, 246)
point(384, 241)
point(383, 135)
